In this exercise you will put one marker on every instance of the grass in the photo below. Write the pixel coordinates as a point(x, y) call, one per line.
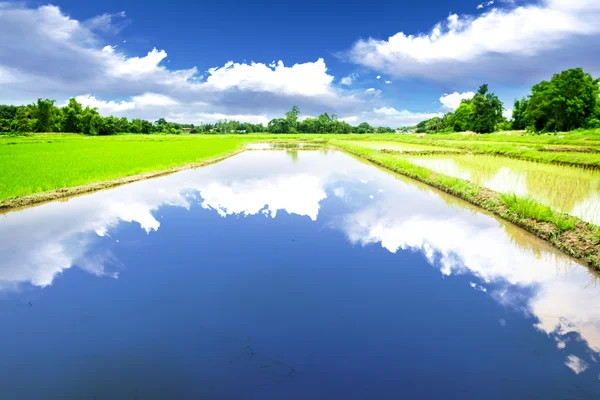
point(33, 165)
point(528, 207)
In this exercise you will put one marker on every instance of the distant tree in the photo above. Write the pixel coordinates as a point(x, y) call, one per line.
point(519, 114)
point(462, 116)
point(91, 121)
point(363, 127)
point(565, 102)
point(8, 111)
point(108, 125)
point(292, 118)
point(72, 114)
point(44, 112)
point(487, 111)
point(279, 125)
point(25, 119)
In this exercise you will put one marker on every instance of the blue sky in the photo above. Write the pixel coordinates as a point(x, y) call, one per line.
point(200, 62)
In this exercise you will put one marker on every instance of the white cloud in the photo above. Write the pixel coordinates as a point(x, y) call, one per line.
point(450, 102)
point(111, 23)
point(373, 92)
point(486, 4)
point(106, 107)
point(348, 80)
point(517, 44)
point(388, 82)
point(37, 44)
point(378, 76)
point(507, 114)
point(576, 364)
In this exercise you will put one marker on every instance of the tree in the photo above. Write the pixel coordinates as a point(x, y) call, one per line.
point(43, 113)
point(90, 121)
point(363, 127)
point(108, 125)
point(487, 111)
point(292, 118)
point(72, 113)
point(565, 102)
point(279, 125)
point(462, 116)
point(519, 114)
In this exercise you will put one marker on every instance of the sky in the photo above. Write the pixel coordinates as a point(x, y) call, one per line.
point(392, 63)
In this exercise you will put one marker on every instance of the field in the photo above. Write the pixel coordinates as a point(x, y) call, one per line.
point(47, 166)
point(41, 163)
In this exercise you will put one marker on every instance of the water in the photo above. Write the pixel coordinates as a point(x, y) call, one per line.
point(282, 146)
point(268, 276)
point(569, 189)
point(400, 147)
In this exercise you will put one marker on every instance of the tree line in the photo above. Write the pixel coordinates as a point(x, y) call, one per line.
point(45, 116)
point(324, 123)
point(570, 100)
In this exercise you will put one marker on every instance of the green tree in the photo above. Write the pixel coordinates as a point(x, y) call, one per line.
point(292, 118)
point(72, 113)
point(519, 114)
point(363, 127)
point(462, 116)
point(44, 112)
point(279, 125)
point(91, 121)
point(487, 111)
point(565, 102)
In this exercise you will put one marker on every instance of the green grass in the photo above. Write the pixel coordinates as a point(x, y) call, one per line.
point(36, 164)
point(528, 207)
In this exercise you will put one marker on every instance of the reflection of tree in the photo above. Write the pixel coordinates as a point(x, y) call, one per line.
point(293, 154)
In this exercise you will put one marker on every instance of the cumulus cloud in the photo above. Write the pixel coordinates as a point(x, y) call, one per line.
point(348, 80)
point(510, 44)
point(37, 43)
point(373, 92)
point(450, 102)
point(388, 82)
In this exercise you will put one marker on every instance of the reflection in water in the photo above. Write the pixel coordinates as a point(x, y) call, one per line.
point(569, 189)
point(503, 262)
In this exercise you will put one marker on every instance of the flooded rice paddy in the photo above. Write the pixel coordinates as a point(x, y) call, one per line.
point(569, 189)
point(291, 275)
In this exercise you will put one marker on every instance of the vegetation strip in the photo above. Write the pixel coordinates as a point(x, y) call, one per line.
point(569, 234)
point(25, 201)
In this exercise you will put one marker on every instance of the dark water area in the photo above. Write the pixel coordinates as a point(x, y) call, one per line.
point(274, 275)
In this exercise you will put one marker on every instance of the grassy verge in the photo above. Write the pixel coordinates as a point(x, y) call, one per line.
point(567, 233)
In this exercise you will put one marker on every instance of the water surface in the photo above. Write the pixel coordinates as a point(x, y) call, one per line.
point(569, 189)
point(268, 276)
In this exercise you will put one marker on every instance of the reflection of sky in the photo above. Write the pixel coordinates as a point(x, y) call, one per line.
point(38, 243)
point(510, 180)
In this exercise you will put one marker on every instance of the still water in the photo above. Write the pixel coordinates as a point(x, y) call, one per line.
point(569, 189)
point(280, 276)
